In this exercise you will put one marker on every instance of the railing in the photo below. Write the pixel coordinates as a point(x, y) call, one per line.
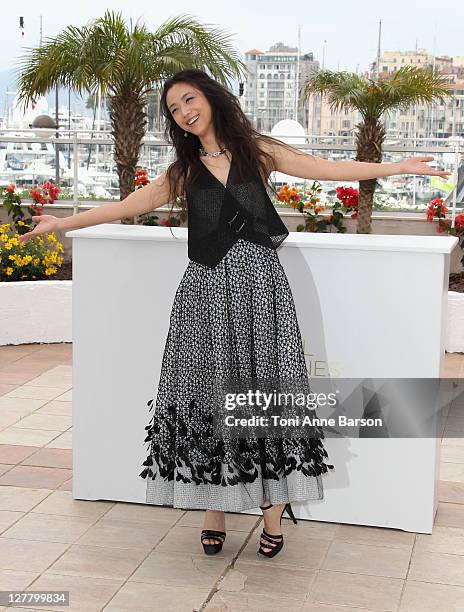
point(87, 168)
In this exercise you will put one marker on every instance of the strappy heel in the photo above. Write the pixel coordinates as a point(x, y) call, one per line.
point(211, 534)
point(276, 542)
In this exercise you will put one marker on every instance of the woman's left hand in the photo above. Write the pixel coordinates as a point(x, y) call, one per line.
point(417, 165)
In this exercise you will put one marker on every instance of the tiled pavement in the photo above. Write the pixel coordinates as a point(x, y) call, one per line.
point(120, 557)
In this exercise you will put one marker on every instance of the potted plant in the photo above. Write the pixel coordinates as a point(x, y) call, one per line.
point(308, 203)
point(33, 306)
point(436, 212)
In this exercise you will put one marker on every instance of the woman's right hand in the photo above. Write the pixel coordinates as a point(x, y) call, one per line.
point(46, 223)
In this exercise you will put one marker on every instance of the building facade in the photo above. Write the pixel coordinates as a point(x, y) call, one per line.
point(323, 121)
point(421, 120)
point(270, 91)
point(418, 121)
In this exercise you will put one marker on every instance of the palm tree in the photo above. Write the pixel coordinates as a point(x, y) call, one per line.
point(372, 98)
point(126, 62)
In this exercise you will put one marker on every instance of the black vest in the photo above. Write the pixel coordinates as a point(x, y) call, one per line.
point(218, 216)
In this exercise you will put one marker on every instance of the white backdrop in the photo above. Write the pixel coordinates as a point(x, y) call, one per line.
point(368, 306)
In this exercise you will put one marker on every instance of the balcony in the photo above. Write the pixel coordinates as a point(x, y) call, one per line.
point(125, 556)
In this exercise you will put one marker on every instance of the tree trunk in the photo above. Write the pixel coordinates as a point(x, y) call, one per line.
point(128, 122)
point(369, 140)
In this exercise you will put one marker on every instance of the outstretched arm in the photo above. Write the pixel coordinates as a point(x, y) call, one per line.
point(143, 200)
point(297, 163)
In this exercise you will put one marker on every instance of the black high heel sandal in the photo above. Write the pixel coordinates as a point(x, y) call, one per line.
point(275, 542)
point(211, 534)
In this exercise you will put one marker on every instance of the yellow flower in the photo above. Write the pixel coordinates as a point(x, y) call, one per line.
point(4, 237)
point(8, 246)
point(51, 238)
point(36, 261)
point(21, 222)
point(9, 271)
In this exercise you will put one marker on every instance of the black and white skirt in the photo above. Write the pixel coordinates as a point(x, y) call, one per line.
point(237, 319)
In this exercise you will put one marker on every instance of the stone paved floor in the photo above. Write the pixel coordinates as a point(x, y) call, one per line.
point(131, 557)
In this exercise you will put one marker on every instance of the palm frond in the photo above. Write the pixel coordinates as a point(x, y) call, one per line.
point(57, 61)
point(373, 97)
point(342, 89)
point(109, 55)
point(208, 47)
point(411, 85)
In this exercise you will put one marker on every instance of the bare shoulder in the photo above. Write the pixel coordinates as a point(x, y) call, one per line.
point(276, 148)
point(169, 186)
point(288, 159)
point(267, 144)
point(161, 184)
point(160, 191)
point(270, 152)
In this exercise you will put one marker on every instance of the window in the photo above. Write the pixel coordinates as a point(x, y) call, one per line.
point(346, 124)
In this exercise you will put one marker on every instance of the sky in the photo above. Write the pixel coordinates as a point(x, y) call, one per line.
point(350, 29)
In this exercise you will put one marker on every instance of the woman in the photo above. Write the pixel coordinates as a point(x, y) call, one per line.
point(233, 314)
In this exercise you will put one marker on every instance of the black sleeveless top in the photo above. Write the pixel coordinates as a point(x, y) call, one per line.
point(219, 215)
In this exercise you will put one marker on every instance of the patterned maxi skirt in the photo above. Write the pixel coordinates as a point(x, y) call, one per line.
point(237, 319)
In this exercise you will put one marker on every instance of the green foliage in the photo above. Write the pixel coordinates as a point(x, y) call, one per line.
point(373, 97)
point(118, 57)
point(36, 259)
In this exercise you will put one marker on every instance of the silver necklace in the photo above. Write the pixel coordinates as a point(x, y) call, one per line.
point(214, 154)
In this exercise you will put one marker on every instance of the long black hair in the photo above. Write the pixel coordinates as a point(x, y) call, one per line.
point(231, 127)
